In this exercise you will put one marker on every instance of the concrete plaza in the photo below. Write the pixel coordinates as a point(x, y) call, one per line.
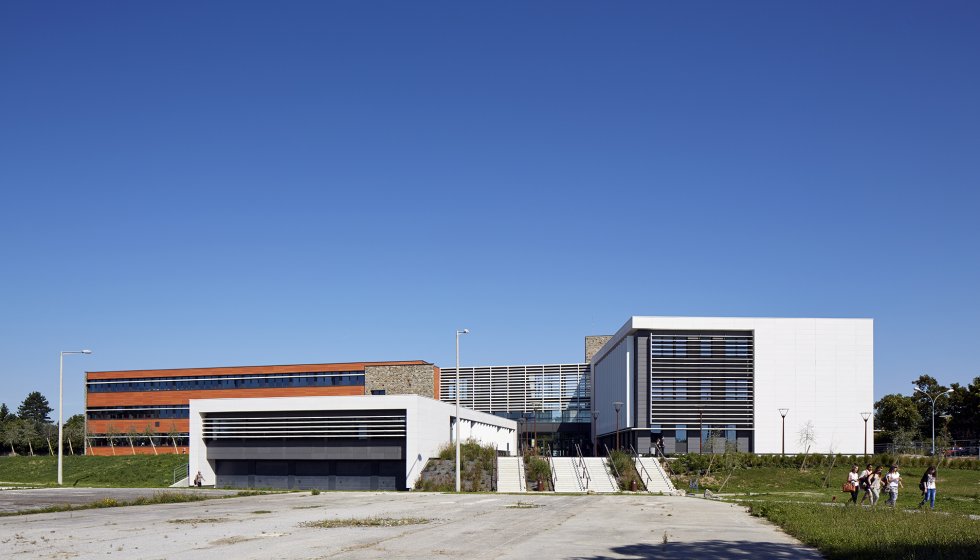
point(460, 526)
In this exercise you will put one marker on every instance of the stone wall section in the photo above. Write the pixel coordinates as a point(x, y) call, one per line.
point(593, 344)
point(401, 380)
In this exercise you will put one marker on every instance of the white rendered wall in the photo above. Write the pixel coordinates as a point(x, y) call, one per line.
point(822, 370)
point(427, 424)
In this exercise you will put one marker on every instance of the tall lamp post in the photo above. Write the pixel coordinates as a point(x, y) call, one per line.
point(783, 412)
point(458, 426)
point(618, 406)
point(865, 416)
point(933, 398)
point(61, 423)
point(595, 434)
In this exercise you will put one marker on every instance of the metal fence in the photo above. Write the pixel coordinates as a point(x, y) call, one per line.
point(957, 448)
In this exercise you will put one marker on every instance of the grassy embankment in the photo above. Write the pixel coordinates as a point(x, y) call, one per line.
point(804, 507)
point(126, 471)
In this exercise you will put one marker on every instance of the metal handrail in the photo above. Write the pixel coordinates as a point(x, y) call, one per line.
point(612, 465)
point(551, 465)
point(638, 463)
point(493, 476)
point(187, 472)
point(585, 471)
point(522, 473)
point(664, 463)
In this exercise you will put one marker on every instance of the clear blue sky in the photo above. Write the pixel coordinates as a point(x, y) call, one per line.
point(222, 183)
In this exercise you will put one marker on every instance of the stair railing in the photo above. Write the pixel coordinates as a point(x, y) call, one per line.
point(643, 472)
point(551, 465)
point(666, 471)
point(521, 473)
point(186, 467)
point(612, 465)
point(583, 479)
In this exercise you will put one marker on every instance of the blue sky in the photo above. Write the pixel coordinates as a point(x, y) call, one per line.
point(223, 183)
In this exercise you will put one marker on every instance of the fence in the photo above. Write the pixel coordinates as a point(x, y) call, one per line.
point(956, 448)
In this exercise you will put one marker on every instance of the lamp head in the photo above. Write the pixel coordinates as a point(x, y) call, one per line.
point(86, 351)
point(618, 405)
point(865, 415)
point(783, 412)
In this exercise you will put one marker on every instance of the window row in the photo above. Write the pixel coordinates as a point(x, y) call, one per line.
point(706, 390)
point(139, 412)
point(258, 381)
point(684, 346)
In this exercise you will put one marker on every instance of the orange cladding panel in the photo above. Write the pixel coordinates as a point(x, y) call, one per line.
point(240, 370)
point(122, 427)
point(137, 450)
point(183, 397)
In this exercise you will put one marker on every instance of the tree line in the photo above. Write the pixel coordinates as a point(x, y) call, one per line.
point(30, 430)
point(903, 419)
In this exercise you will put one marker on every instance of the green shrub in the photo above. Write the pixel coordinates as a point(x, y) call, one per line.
point(625, 468)
point(538, 469)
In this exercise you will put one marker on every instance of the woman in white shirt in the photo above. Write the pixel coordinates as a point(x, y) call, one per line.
point(894, 482)
point(852, 479)
point(928, 484)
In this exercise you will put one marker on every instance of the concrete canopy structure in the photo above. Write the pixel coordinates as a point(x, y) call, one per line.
point(331, 443)
point(704, 383)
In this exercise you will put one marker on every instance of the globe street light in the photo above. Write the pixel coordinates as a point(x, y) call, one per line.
point(464, 331)
point(783, 412)
point(865, 415)
point(61, 423)
point(933, 398)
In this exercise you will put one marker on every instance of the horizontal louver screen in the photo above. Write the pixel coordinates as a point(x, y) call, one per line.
point(363, 426)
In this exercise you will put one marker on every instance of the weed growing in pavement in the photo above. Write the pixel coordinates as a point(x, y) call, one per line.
point(366, 522)
point(523, 505)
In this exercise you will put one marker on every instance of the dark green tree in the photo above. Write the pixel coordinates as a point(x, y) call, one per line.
point(35, 408)
point(4, 413)
point(896, 414)
point(964, 407)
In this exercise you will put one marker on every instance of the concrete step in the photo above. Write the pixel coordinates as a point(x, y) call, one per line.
point(510, 474)
point(600, 475)
point(566, 477)
point(653, 475)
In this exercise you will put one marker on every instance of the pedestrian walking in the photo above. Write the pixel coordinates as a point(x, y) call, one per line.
point(928, 487)
point(199, 479)
point(893, 480)
point(863, 482)
point(874, 486)
point(851, 485)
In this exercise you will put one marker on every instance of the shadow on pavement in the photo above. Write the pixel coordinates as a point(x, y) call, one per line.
point(743, 550)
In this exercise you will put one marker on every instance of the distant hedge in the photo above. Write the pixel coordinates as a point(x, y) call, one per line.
point(693, 462)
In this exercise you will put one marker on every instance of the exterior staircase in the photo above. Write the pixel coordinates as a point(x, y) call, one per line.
point(601, 479)
point(510, 474)
point(653, 475)
point(565, 475)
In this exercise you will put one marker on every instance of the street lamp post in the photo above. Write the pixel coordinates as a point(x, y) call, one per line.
point(464, 331)
point(933, 398)
point(865, 416)
point(618, 405)
point(783, 412)
point(61, 423)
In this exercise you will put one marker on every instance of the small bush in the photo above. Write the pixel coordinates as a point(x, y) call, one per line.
point(315, 492)
point(538, 469)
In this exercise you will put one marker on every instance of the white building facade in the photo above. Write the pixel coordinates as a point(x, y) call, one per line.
point(707, 384)
point(371, 442)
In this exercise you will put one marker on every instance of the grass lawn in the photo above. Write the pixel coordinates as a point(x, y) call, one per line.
point(845, 533)
point(126, 471)
point(959, 490)
point(803, 506)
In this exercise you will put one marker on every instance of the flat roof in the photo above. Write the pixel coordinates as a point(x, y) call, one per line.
point(239, 370)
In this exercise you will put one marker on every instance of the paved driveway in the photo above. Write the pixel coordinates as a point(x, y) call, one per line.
point(12, 500)
point(465, 526)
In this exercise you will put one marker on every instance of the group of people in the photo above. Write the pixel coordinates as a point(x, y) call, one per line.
point(872, 482)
